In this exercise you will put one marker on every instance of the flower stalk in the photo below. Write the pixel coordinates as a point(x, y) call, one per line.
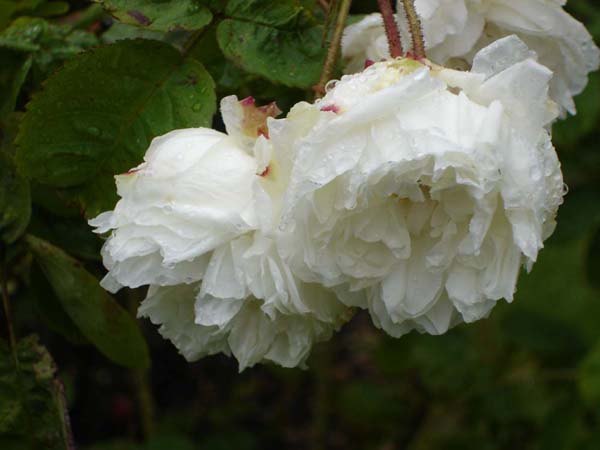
point(391, 28)
point(415, 28)
point(334, 46)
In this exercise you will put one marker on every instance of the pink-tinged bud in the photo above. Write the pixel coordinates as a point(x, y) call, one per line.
point(369, 63)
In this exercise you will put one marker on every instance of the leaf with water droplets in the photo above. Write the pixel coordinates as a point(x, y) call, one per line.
point(280, 42)
point(163, 15)
point(96, 117)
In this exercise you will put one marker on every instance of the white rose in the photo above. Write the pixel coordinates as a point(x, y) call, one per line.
point(191, 194)
point(200, 328)
point(196, 222)
point(424, 187)
point(456, 29)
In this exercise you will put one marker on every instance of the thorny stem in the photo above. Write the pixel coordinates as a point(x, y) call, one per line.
point(391, 28)
point(416, 29)
point(334, 46)
point(6, 304)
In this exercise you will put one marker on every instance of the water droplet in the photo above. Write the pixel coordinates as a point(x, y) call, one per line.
point(93, 131)
point(192, 8)
point(197, 107)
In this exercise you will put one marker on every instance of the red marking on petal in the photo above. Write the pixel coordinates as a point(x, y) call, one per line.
point(265, 172)
point(131, 172)
point(332, 108)
point(247, 101)
point(369, 63)
point(254, 120)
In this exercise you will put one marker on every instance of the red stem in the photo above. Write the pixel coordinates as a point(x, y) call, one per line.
point(391, 28)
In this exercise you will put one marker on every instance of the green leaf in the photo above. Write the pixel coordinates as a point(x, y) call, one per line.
point(97, 116)
point(24, 34)
point(157, 15)
point(32, 406)
point(279, 41)
point(120, 31)
point(13, 71)
point(49, 310)
point(48, 44)
point(15, 200)
point(99, 317)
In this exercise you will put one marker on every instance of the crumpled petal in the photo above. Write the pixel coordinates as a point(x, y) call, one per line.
point(192, 193)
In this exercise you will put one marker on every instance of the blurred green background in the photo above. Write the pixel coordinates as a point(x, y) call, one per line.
point(527, 378)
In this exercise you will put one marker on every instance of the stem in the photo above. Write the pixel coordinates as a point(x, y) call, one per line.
point(145, 401)
point(64, 415)
point(391, 28)
point(324, 5)
point(334, 47)
point(416, 29)
point(6, 304)
point(141, 383)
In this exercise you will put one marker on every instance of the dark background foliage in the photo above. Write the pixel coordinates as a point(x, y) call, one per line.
point(80, 100)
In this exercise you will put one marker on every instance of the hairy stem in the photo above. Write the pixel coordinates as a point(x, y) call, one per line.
point(416, 29)
point(6, 305)
point(334, 46)
point(391, 28)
